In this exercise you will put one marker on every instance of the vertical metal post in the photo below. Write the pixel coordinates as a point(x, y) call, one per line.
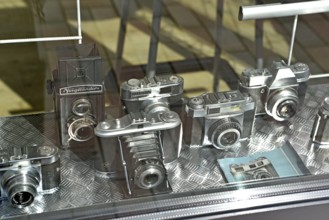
point(79, 21)
point(259, 30)
point(218, 49)
point(153, 49)
point(292, 41)
point(122, 34)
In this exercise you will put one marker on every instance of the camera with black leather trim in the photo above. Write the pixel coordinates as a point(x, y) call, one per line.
point(78, 92)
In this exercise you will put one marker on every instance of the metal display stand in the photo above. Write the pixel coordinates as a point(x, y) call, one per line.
point(43, 39)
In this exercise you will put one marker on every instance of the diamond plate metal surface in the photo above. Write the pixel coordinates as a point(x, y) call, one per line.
point(196, 168)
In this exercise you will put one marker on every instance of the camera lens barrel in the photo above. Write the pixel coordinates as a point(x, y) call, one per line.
point(283, 104)
point(224, 133)
point(150, 174)
point(21, 186)
point(261, 174)
point(81, 129)
point(81, 107)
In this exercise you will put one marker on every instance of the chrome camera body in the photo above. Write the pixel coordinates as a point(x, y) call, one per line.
point(149, 136)
point(261, 168)
point(141, 94)
point(146, 141)
point(78, 93)
point(28, 171)
point(278, 90)
point(220, 119)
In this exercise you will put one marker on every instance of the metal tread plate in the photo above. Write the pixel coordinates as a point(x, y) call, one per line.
point(195, 170)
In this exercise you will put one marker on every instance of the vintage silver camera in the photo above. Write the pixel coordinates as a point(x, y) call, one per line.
point(141, 94)
point(261, 168)
point(77, 87)
point(27, 171)
point(278, 90)
point(148, 137)
point(147, 141)
point(220, 119)
point(320, 131)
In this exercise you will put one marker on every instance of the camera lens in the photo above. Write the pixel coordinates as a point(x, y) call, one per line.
point(229, 138)
point(22, 199)
point(261, 174)
point(81, 107)
point(224, 133)
point(282, 105)
point(151, 179)
point(21, 186)
point(149, 175)
point(81, 129)
point(287, 109)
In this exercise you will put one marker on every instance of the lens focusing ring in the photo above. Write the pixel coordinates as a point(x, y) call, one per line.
point(224, 133)
point(287, 109)
point(283, 104)
point(150, 174)
point(261, 174)
point(81, 129)
point(81, 107)
point(21, 186)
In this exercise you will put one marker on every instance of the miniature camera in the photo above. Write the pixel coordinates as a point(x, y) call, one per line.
point(147, 141)
point(78, 92)
point(261, 168)
point(140, 94)
point(220, 119)
point(278, 90)
point(320, 131)
point(27, 171)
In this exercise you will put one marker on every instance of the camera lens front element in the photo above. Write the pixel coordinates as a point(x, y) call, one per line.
point(224, 133)
point(149, 175)
point(282, 105)
point(81, 129)
point(261, 174)
point(81, 107)
point(21, 186)
point(287, 109)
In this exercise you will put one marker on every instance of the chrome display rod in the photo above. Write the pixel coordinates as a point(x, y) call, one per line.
point(292, 41)
point(42, 39)
point(283, 10)
point(317, 76)
point(218, 49)
point(155, 30)
point(122, 34)
point(259, 29)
